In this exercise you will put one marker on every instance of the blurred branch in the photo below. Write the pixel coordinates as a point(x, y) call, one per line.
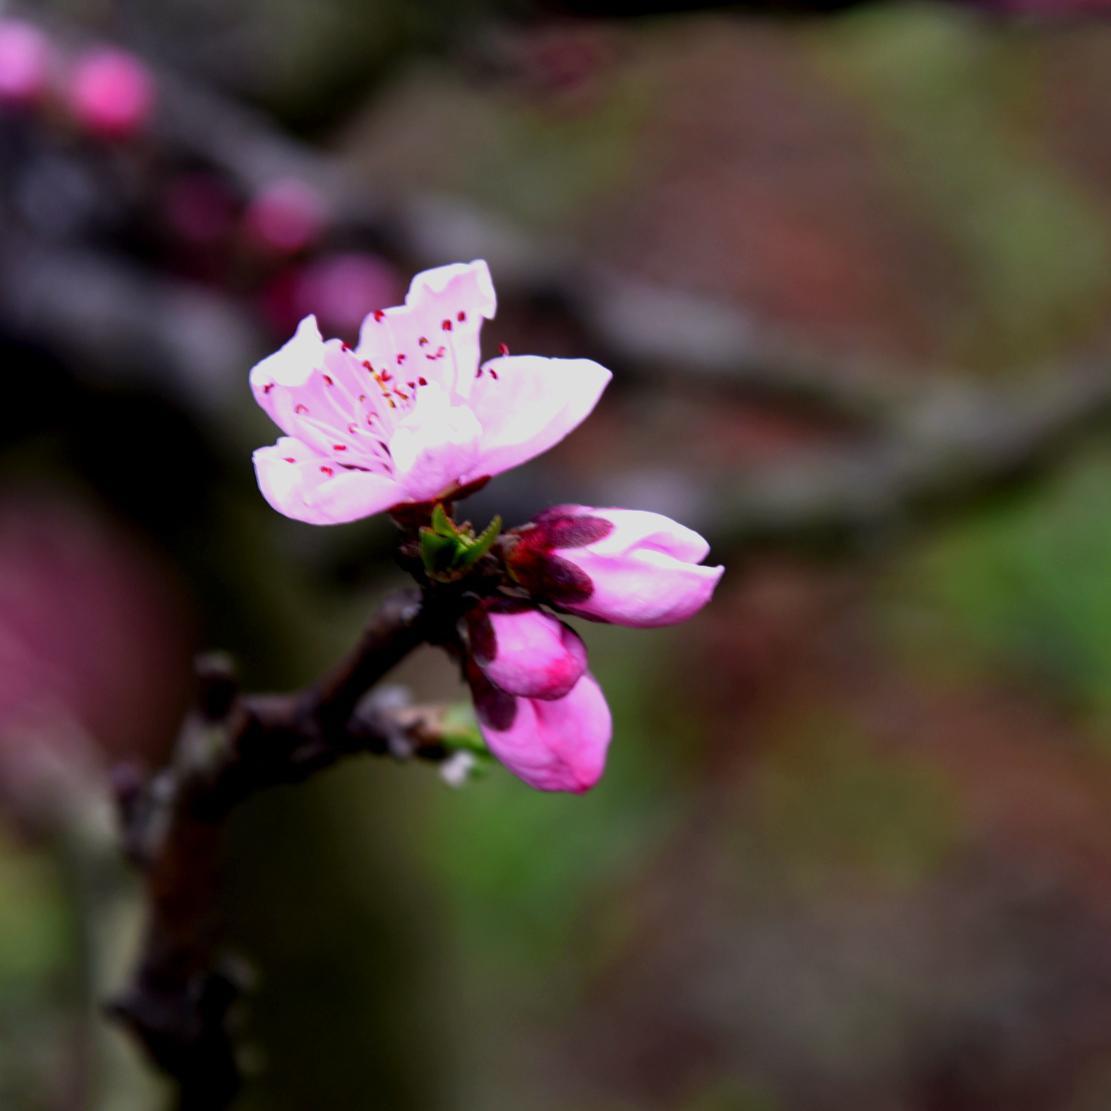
point(649, 331)
point(950, 450)
point(178, 1000)
point(107, 313)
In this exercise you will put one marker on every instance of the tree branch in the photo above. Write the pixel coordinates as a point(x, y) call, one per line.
point(181, 991)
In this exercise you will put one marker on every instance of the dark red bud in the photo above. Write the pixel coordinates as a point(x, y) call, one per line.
point(553, 530)
point(547, 577)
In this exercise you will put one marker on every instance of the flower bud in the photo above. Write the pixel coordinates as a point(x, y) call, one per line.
point(624, 566)
point(550, 744)
point(285, 217)
point(525, 652)
point(25, 60)
point(111, 93)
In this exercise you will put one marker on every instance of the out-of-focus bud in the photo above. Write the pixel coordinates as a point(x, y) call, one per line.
point(111, 93)
point(624, 566)
point(342, 288)
point(285, 217)
point(550, 744)
point(525, 652)
point(200, 209)
point(26, 58)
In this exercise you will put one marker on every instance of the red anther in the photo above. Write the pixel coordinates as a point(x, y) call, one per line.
point(493, 373)
point(446, 325)
point(400, 358)
point(289, 459)
point(328, 380)
point(379, 314)
point(423, 341)
point(352, 428)
point(362, 399)
point(344, 346)
point(460, 316)
point(339, 447)
point(327, 471)
point(411, 385)
point(386, 376)
point(503, 348)
point(478, 373)
point(422, 381)
point(300, 409)
point(268, 387)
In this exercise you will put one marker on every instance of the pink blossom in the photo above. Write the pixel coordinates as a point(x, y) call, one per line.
point(286, 216)
point(625, 566)
point(412, 413)
point(551, 744)
point(526, 652)
point(25, 61)
point(111, 93)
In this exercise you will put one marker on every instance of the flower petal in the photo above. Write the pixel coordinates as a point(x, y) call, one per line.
point(638, 528)
point(534, 655)
point(527, 404)
point(306, 486)
point(291, 367)
point(434, 445)
point(557, 745)
point(643, 589)
point(435, 333)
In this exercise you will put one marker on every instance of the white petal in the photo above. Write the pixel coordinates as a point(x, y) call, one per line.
point(527, 404)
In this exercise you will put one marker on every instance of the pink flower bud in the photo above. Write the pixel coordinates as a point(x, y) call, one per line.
point(625, 566)
point(111, 93)
point(340, 287)
point(25, 60)
point(551, 744)
point(526, 652)
point(286, 216)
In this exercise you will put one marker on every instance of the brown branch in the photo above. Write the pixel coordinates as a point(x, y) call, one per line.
point(178, 999)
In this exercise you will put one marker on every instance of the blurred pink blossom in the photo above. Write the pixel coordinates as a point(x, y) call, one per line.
point(26, 58)
point(94, 645)
point(285, 216)
point(199, 209)
point(111, 93)
point(412, 413)
point(339, 287)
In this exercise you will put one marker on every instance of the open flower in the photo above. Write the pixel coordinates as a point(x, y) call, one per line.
point(550, 744)
point(411, 414)
point(525, 652)
point(625, 566)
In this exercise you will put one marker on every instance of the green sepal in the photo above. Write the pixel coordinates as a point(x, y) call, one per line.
point(437, 552)
point(450, 551)
point(442, 524)
point(475, 549)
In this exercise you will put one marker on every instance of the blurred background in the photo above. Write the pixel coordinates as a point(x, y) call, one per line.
point(851, 266)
